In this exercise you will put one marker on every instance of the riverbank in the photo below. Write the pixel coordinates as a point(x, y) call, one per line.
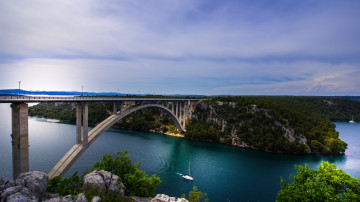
point(174, 134)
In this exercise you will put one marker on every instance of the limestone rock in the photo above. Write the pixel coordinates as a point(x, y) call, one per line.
point(56, 199)
point(80, 198)
point(67, 198)
point(5, 183)
point(166, 198)
point(96, 199)
point(94, 180)
point(10, 191)
point(35, 181)
point(19, 197)
point(141, 199)
point(103, 180)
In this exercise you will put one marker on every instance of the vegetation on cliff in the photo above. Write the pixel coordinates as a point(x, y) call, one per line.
point(327, 183)
point(275, 124)
point(136, 182)
point(196, 196)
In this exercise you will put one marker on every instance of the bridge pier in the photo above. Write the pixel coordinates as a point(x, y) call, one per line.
point(85, 122)
point(172, 107)
point(20, 138)
point(121, 107)
point(180, 113)
point(177, 109)
point(82, 115)
point(78, 123)
point(190, 108)
point(118, 107)
point(185, 113)
point(115, 108)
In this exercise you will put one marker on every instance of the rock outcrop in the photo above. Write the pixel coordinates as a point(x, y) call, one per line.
point(31, 187)
point(103, 180)
point(166, 198)
point(80, 198)
point(158, 198)
point(215, 114)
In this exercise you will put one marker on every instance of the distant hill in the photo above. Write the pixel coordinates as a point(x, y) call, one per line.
point(54, 93)
point(15, 92)
point(356, 98)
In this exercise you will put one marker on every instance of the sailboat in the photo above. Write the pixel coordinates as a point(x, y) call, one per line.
point(187, 176)
point(352, 120)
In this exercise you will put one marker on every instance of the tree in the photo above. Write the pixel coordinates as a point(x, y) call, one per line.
point(136, 182)
point(325, 184)
point(72, 185)
point(196, 196)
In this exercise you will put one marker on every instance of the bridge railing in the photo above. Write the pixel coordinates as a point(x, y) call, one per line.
point(12, 99)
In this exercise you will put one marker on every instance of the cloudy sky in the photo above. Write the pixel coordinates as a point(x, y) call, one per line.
point(209, 47)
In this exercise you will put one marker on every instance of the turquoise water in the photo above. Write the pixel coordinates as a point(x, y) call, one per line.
point(222, 171)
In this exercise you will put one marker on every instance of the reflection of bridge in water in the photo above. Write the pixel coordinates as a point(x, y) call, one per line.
point(177, 109)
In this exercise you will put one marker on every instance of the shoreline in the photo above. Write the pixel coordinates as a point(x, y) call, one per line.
point(183, 136)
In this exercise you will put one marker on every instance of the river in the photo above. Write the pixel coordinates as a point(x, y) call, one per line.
point(224, 172)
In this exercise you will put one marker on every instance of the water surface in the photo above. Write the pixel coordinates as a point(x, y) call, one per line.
point(224, 172)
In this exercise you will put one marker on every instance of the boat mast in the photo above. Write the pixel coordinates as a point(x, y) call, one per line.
point(189, 168)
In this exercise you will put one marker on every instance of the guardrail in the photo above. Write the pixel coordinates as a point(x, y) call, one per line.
point(13, 99)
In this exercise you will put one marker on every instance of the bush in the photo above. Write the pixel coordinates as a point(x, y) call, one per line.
point(136, 182)
point(325, 184)
point(72, 185)
point(196, 196)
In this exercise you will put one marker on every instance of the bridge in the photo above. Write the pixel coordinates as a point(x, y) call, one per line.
point(177, 109)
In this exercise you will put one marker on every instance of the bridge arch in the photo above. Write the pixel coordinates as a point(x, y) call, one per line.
point(165, 109)
point(75, 152)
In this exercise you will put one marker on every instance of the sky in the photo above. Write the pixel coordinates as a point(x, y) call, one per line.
point(204, 47)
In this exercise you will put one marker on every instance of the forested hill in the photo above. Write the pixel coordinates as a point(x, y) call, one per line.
point(274, 124)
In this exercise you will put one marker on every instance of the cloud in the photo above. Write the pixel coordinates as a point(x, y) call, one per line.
point(177, 29)
point(200, 77)
point(204, 47)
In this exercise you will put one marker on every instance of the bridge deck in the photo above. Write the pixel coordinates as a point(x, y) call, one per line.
point(27, 99)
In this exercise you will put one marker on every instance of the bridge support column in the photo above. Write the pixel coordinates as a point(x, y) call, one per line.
point(115, 108)
point(78, 123)
point(20, 139)
point(190, 109)
point(172, 107)
point(179, 117)
point(185, 114)
point(121, 107)
point(177, 109)
point(85, 123)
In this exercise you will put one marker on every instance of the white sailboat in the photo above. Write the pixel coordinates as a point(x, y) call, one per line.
point(352, 120)
point(187, 176)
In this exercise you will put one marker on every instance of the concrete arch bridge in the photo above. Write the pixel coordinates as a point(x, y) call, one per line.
point(177, 109)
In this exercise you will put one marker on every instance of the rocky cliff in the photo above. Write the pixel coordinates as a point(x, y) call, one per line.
point(31, 186)
point(212, 114)
point(266, 124)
